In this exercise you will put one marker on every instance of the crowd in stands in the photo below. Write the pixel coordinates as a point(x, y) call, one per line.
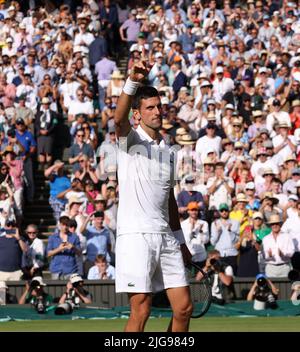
point(228, 74)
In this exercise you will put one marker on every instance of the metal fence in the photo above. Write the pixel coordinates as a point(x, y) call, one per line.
point(103, 292)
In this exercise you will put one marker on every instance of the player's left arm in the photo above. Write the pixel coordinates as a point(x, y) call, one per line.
point(176, 227)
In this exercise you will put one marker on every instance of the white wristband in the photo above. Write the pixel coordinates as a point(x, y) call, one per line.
point(179, 236)
point(130, 87)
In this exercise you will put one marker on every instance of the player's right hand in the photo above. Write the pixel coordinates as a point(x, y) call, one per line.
point(140, 70)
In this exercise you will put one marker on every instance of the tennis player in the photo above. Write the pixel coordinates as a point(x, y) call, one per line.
point(150, 249)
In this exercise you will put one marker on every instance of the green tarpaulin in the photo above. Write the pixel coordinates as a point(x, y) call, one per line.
point(240, 309)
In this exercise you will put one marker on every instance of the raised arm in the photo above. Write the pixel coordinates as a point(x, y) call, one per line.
point(138, 73)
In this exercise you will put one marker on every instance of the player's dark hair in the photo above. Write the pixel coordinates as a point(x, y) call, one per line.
point(144, 92)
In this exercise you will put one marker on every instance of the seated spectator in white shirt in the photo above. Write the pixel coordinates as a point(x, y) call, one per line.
point(101, 270)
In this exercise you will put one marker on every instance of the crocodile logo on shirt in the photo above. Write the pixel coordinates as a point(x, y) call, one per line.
point(131, 284)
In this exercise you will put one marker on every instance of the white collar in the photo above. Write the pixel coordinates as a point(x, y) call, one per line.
point(146, 136)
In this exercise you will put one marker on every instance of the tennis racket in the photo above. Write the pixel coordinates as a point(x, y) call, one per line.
point(201, 293)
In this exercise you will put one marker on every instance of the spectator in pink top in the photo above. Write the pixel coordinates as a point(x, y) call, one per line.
point(7, 92)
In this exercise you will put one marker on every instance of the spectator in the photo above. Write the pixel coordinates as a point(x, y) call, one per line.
point(102, 270)
point(45, 123)
point(6, 298)
point(97, 237)
point(12, 245)
point(33, 260)
point(224, 236)
point(59, 183)
point(62, 247)
point(196, 234)
point(278, 248)
point(28, 142)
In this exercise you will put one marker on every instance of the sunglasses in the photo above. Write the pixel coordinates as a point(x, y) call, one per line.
point(224, 210)
point(81, 161)
point(31, 232)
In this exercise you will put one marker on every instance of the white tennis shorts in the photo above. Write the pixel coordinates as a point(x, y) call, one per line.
point(148, 263)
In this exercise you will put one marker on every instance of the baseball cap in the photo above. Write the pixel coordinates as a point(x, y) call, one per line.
point(193, 205)
point(268, 144)
point(295, 171)
point(211, 102)
point(219, 69)
point(250, 185)
point(276, 102)
point(229, 106)
point(293, 197)
point(75, 278)
point(39, 280)
point(159, 54)
point(20, 121)
point(205, 84)
point(257, 215)
point(260, 276)
point(262, 69)
point(223, 206)
point(111, 129)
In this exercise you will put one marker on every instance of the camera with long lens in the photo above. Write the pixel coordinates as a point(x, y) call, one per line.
point(218, 265)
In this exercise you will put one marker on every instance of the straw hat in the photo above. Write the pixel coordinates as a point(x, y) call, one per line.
point(274, 219)
point(241, 198)
point(186, 139)
point(270, 195)
point(295, 103)
point(268, 171)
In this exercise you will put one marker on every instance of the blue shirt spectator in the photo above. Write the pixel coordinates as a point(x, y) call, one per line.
point(63, 262)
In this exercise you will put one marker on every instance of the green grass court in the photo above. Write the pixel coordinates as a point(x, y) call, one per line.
point(206, 324)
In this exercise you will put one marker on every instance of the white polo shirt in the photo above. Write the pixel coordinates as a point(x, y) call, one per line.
point(145, 173)
point(283, 242)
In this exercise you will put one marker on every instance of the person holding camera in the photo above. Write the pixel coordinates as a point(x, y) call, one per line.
point(35, 295)
point(75, 293)
point(221, 277)
point(63, 246)
point(224, 236)
point(12, 246)
point(263, 292)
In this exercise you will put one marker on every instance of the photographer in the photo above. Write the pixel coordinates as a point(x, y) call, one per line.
point(34, 294)
point(263, 292)
point(221, 276)
point(75, 293)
